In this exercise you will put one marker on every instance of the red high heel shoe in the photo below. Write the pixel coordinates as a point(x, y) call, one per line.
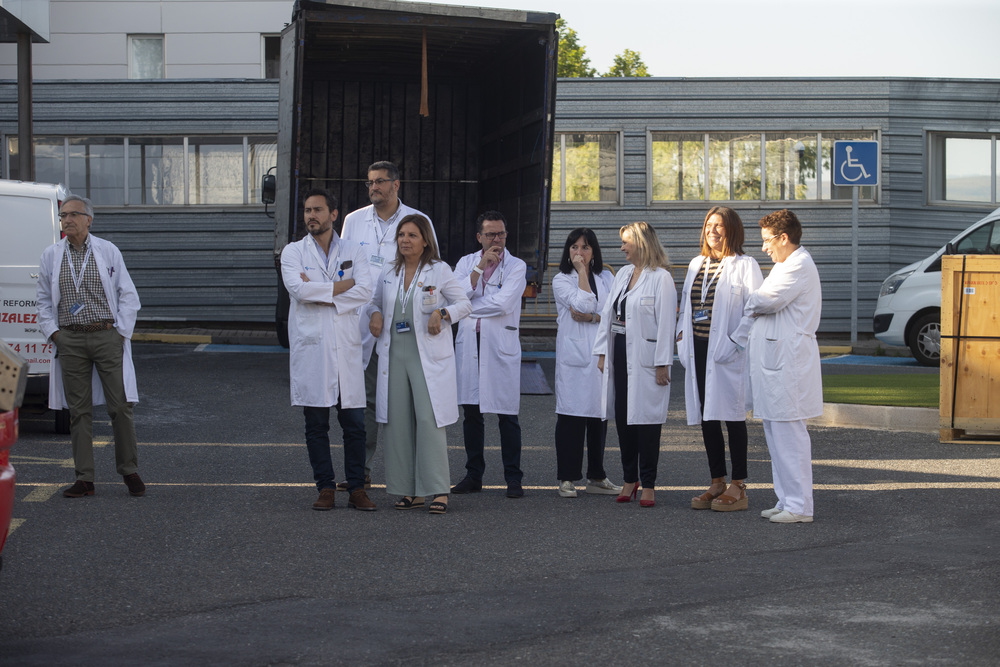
point(628, 497)
point(647, 503)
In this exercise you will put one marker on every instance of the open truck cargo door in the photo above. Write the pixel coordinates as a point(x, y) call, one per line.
point(350, 93)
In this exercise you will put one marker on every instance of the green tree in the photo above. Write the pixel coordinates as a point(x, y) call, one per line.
point(573, 60)
point(628, 63)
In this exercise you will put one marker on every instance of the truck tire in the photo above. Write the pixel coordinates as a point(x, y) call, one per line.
point(62, 422)
point(925, 339)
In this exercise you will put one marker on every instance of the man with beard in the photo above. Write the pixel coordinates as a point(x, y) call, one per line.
point(327, 279)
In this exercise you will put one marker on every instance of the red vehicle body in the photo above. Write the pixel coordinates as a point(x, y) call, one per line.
point(8, 436)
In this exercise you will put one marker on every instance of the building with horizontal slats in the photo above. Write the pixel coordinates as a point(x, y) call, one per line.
point(171, 149)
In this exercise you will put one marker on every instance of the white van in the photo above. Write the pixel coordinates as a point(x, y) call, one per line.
point(908, 311)
point(29, 223)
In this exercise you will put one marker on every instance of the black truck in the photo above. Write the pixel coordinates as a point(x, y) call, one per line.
point(461, 99)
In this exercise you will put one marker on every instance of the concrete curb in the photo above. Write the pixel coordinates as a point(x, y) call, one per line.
point(881, 417)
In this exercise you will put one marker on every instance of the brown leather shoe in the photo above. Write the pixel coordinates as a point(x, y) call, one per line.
point(326, 500)
point(359, 500)
point(79, 489)
point(342, 486)
point(134, 484)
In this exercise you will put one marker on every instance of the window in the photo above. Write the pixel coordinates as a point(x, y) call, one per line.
point(145, 57)
point(585, 168)
point(271, 45)
point(963, 168)
point(154, 171)
point(747, 166)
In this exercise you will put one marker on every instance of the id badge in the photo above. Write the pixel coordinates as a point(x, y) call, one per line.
point(700, 316)
point(76, 308)
point(402, 327)
point(618, 327)
point(377, 260)
point(430, 299)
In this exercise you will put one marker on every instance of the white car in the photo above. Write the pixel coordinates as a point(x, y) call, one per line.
point(908, 311)
point(29, 223)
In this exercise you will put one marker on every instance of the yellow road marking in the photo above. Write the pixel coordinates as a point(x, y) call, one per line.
point(14, 524)
point(874, 486)
point(41, 460)
point(41, 493)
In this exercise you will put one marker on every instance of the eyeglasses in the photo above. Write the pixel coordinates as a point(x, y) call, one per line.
point(495, 235)
point(378, 181)
point(770, 238)
point(71, 214)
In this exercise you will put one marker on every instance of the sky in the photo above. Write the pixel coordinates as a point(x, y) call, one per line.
point(785, 38)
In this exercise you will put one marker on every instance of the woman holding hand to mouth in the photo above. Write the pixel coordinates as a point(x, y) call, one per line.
point(719, 281)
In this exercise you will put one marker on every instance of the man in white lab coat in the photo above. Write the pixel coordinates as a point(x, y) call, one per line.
point(328, 280)
point(374, 229)
point(785, 377)
point(87, 307)
point(488, 352)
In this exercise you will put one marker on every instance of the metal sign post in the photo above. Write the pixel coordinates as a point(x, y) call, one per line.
point(855, 163)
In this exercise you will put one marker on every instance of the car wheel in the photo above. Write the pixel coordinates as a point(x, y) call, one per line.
point(925, 340)
point(62, 422)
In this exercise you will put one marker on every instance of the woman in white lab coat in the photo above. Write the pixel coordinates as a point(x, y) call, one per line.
point(635, 348)
point(718, 283)
point(415, 302)
point(580, 290)
point(785, 375)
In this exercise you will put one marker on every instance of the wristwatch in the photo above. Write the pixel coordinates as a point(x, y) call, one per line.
point(444, 313)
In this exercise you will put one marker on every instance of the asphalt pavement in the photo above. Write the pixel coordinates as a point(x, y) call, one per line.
point(223, 561)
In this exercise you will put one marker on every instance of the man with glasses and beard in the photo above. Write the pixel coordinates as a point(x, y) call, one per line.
point(374, 228)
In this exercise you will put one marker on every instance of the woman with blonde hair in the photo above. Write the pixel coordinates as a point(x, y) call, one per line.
point(718, 283)
point(635, 348)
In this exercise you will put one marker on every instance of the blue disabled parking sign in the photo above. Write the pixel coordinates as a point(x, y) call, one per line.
point(855, 163)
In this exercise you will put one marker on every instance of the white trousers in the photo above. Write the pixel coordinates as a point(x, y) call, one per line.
point(791, 465)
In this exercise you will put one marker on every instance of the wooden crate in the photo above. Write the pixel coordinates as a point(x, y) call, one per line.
point(970, 348)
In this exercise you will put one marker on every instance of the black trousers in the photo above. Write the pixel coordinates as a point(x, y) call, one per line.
point(571, 432)
point(711, 431)
point(639, 443)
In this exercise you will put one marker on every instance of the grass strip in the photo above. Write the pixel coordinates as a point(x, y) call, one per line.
point(913, 390)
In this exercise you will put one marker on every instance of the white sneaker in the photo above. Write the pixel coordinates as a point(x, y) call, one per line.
point(604, 487)
point(567, 489)
point(767, 514)
point(784, 516)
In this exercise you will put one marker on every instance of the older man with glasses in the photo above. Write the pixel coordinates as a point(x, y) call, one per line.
point(87, 307)
point(374, 228)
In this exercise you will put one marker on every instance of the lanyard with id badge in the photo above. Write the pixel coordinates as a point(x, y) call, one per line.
point(704, 314)
point(377, 260)
point(77, 307)
point(404, 298)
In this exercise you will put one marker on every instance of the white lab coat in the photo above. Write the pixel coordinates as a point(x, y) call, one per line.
point(437, 352)
point(325, 364)
point(578, 381)
point(650, 315)
point(363, 227)
point(122, 299)
point(725, 368)
point(785, 376)
point(493, 382)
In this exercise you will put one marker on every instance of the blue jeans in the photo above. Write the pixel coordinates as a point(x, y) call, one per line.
point(475, 441)
point(352, 422)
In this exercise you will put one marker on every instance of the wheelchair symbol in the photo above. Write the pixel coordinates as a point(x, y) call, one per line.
point(854, 164)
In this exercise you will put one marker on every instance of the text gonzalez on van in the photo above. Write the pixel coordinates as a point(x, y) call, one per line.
point(18, 303)
point(18, 318)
